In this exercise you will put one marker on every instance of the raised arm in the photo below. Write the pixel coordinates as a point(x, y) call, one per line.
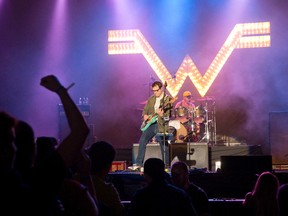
point(70, 147)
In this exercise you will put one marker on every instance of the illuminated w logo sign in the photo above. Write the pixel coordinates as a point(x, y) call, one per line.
point(247, 35)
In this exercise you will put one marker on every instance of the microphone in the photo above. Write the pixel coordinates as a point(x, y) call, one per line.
point(70, 86)
point(165, 84)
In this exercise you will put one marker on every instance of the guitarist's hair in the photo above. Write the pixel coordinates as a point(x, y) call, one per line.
point(157, 83)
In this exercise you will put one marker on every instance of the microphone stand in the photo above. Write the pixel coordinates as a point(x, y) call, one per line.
point(164, 125)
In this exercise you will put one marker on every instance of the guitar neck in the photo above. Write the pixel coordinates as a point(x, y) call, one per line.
point(152, 116)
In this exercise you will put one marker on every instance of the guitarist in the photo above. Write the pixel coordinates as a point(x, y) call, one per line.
point(159, 105)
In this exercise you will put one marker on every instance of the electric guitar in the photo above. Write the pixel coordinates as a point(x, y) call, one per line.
point(153, 118)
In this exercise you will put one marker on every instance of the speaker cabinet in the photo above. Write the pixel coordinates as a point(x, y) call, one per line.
point(64, 129)
point(278, 127)
point(215, 152)
point(246, 164)
point(152, 151)
point(194, 154)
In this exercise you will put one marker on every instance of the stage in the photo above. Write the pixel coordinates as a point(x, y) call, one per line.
point(236, 175)
point(196, 155)
point(226, 186)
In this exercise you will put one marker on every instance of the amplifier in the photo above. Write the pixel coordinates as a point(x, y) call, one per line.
point(195, 155)
point(84, 109)
point(152, 151)
point(247, 164)
point(64, 127)
point(118, 165)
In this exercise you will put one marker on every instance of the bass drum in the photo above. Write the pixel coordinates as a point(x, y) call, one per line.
point(181, 134)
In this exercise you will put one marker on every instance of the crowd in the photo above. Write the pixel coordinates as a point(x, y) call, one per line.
point(44, 177)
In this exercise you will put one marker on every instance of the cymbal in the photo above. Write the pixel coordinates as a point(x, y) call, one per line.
point(205, 99)
point(143, 102)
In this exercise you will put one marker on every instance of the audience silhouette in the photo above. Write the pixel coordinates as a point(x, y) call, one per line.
point(74, 197)
point(180, 178)
point(38, 191)
point(102, 155)
point(283, 199)
point(16, 197)
point(262, 201)
point(44, 147)
point(159, 197)
point(77, 200)
point(25, 144)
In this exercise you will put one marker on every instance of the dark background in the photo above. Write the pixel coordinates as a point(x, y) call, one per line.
point(69, 39)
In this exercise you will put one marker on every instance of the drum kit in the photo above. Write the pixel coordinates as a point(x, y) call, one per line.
point(194, 125)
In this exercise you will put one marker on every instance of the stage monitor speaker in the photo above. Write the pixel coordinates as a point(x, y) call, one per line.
point(195, 155)
point(246, 164)
point(152, 151)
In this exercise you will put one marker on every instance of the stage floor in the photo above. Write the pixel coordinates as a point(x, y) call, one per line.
point(196, 155)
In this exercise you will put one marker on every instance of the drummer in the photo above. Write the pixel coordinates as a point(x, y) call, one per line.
point(186, 102)
point(183, 113)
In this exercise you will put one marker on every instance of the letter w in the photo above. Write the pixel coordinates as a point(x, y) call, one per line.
point(245, 35)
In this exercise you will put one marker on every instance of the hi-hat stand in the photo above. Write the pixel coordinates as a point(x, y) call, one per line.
point(209, 122)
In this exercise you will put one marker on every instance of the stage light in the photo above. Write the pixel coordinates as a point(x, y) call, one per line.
point(245, 35)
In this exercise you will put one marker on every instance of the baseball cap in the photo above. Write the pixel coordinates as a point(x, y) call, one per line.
point(186, 93)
